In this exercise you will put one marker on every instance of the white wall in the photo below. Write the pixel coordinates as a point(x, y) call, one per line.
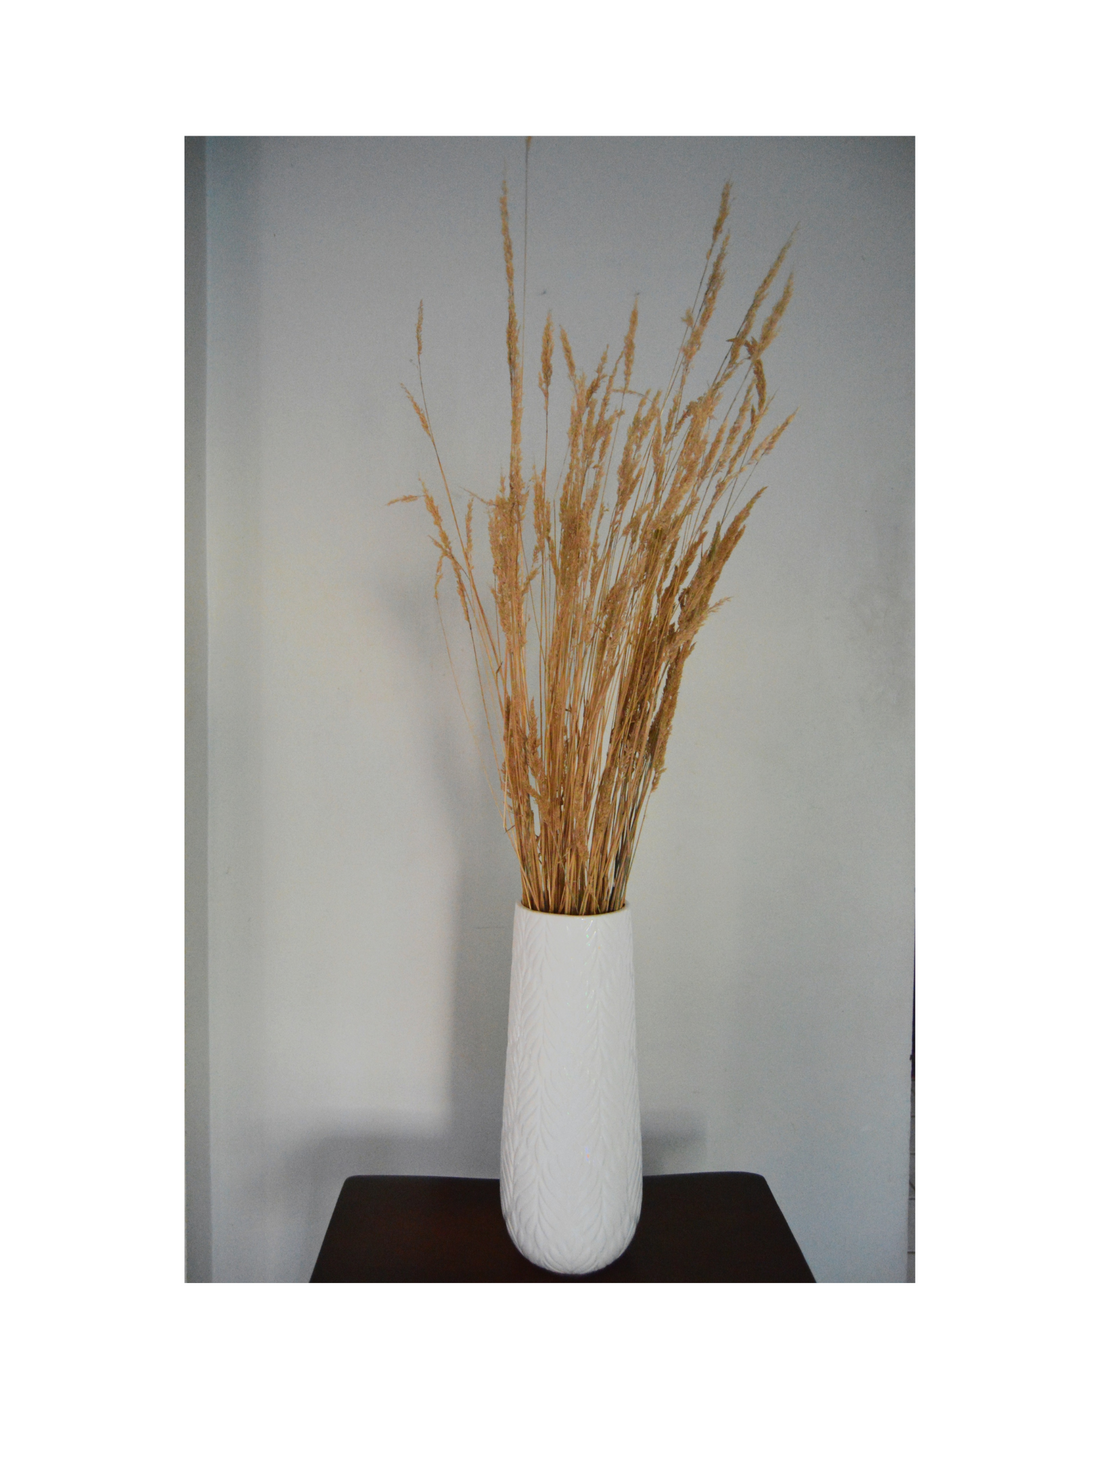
point(360, 888)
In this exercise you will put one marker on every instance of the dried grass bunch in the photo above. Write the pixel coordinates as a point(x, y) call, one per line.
point(599, 589)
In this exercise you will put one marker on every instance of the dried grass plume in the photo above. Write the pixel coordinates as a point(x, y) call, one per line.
point(600, 586)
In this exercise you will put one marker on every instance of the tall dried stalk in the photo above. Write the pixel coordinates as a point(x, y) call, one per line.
point(599, 589)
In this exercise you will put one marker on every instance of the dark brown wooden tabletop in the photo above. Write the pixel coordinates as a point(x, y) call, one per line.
point(705, 1227)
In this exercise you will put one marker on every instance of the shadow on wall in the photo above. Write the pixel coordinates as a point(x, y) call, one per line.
point(673, 1142)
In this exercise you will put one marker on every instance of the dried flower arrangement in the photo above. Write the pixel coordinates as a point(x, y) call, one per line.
point(598, 597)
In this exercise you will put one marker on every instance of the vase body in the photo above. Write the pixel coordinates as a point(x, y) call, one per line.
point(571, 1145)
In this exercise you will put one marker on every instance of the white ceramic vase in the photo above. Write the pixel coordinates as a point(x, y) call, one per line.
point(571, 1145)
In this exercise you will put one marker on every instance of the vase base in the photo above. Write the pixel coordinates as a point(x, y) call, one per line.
point(570, 1256)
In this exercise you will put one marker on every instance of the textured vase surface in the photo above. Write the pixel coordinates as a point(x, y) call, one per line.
point(571, 1146)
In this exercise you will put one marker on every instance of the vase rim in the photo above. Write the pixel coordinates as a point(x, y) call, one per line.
point(574, 916)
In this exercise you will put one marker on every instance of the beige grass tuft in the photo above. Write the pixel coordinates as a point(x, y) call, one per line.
point(598, 590)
